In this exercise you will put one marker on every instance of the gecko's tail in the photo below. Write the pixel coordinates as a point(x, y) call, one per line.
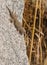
point(7, 8)
point(10, 12)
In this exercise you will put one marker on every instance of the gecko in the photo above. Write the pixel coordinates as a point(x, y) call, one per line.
point(16, 23)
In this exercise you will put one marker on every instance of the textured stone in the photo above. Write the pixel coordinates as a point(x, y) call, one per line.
point(12, 44)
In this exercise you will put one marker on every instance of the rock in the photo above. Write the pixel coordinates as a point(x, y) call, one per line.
point(12, 44)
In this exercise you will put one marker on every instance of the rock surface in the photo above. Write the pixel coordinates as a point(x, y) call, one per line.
point(12, 44)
